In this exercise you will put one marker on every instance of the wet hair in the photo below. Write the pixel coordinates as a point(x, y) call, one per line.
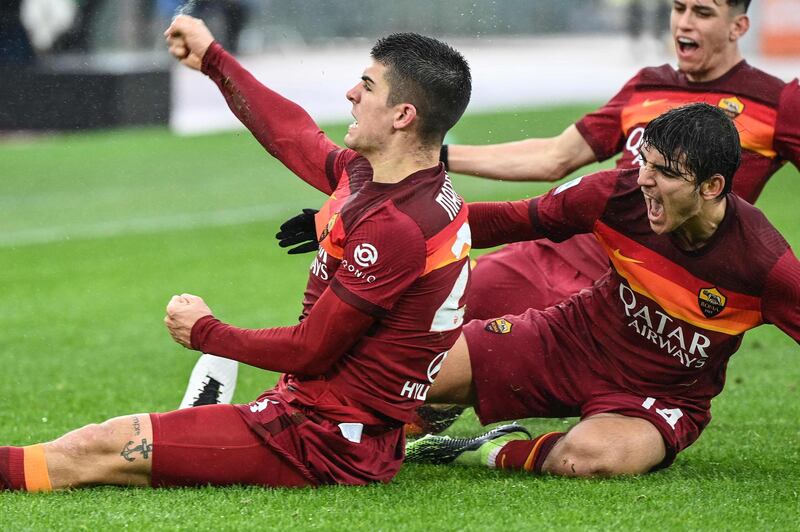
point(697, 139)
point(428, 74)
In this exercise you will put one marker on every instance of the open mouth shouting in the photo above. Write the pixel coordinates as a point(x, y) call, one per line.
point(686, 47)
point(655, 209)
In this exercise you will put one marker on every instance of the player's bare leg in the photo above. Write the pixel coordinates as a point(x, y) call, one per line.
point(606, 445)
point(453, 384)
point(118, 452)
point(433, 417)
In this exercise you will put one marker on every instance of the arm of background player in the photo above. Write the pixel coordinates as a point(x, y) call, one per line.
point(308, 348)
point(501, 222)
point(547, 159)
point(787, 129)
point(565, 211)
point(780, 302)
point(280, 125)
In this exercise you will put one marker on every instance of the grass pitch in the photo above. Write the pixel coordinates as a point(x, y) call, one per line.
point(99, 230)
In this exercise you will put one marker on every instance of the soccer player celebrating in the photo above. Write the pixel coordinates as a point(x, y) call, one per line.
point(383, 303)
point(711, 69)
point(640, 354)
point(537, 274)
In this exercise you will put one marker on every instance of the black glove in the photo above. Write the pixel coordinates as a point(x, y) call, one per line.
point(301, 230)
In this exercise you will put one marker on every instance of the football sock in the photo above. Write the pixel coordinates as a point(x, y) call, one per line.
point(482, 456)
point(24, 469)
point(527, 455)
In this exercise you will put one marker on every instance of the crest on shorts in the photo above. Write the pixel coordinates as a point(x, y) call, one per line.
point(329, 227)
point(499, 326)
point(711, 301)
point(732, 106)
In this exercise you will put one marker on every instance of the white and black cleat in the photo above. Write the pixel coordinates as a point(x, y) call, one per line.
point(212, 382)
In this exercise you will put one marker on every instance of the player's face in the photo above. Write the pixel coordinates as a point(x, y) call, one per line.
point(673, 202)
point(373, 117)
point(705, 33)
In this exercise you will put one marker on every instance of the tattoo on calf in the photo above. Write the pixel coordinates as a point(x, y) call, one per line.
point(145, 449)
point(137, 426)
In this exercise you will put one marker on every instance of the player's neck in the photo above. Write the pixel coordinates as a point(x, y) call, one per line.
point(394, 164)
point(721, 68)
point(695, 233)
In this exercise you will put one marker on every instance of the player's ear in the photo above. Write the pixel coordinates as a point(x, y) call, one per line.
point(739, 26)
point(404, 115)
point(712, 187)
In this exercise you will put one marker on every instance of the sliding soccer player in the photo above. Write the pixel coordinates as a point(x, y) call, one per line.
point(640, 355)
point(384, 301)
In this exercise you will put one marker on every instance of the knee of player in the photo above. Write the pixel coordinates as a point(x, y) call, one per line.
point(581, 457)
point(89, 440)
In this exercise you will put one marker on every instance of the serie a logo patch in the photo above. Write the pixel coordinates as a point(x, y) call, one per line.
point(499, 326)
point(711, 301)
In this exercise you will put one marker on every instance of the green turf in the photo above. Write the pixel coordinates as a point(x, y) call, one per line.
point(97, 231)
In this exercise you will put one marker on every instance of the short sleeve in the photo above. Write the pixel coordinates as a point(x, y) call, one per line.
point(573, 207)
point(383, 256)
point(602, 129)
point(787, 128)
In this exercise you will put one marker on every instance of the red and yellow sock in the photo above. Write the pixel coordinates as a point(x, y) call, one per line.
point(527, 455)
point(24, 469)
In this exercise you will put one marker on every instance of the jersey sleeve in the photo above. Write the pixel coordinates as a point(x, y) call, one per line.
point(602, 129)
point(573, 207)
point(781, 296)
point(567, 210)
point(787, 128)
point(284, 128)
point(383, 256)
point(337, 163)
point(308, 348)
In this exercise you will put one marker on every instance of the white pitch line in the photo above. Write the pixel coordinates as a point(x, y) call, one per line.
point(155, 224)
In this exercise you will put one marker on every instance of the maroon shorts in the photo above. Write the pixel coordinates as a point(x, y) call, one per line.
point(534, 274)
point(213, 445)
point(325, 451)
point(539, 364)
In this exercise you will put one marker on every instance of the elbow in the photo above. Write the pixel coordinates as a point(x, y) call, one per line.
point(559, 170)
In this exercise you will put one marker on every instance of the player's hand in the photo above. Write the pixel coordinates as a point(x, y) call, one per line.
point(188, 39)
point(301, 230)
point(183, 311)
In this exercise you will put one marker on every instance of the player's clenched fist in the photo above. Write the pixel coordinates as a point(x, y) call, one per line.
point(183, 311)
point(188, 39)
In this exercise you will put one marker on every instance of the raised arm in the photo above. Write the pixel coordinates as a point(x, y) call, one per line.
point(280, 125)
point(547, 159)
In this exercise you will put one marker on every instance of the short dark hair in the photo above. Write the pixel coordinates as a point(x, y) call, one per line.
point(743, 4)
point(430, 75)
point(699, 139)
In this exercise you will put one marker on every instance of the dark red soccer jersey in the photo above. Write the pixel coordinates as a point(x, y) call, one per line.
point(766, 111)
point(398, 252)
point(663, 321)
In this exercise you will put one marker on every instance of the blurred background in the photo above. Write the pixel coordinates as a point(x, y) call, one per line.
point(78, 64)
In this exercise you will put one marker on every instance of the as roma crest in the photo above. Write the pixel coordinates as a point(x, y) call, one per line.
point(499, 326)
point(732, 106)
point(329, 227)
point(711, 301)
